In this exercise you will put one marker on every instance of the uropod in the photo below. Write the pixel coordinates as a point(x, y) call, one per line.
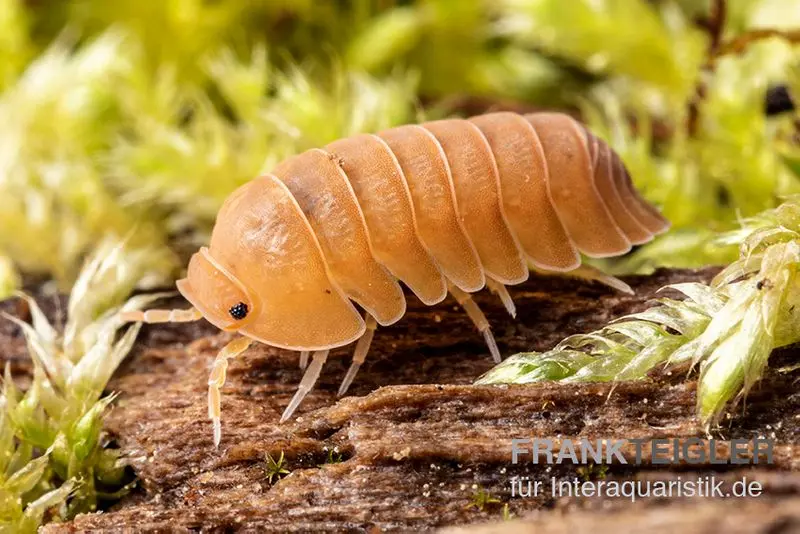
point(448, 206)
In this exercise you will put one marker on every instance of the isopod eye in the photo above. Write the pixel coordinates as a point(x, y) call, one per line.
point(239, 311)
point(218, 294)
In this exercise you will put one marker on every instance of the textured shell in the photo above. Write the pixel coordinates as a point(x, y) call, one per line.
point(450, 202)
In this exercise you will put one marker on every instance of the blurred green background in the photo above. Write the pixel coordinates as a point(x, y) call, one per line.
point(125, 124)
point(137, 118)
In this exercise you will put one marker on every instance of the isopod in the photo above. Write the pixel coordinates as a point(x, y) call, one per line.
point(448, 206)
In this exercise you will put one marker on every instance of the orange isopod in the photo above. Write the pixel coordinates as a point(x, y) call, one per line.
point(449, 206)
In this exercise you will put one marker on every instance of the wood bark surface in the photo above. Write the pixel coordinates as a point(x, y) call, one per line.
point(417, 441)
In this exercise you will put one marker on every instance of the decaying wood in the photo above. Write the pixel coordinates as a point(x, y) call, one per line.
point(416, 440)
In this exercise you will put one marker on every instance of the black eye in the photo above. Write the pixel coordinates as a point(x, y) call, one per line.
point(239, 311)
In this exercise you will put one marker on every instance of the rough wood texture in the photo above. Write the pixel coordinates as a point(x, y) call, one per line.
point(417, 449)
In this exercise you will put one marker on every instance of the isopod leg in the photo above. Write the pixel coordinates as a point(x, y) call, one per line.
point(588, 272)
point(500, 290)
point(304, 358)
point(478, 318)
point(162, 316)
point(360, 354)
point(307, 383)
point(216, 379)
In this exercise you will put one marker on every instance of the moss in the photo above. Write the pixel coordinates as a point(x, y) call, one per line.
point(54, 460)
point(728, 329)
point(140, 119)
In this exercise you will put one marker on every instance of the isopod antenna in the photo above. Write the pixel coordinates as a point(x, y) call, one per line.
point(162, 316)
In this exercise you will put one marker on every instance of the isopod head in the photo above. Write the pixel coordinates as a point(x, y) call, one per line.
point(264, 276)
point(222, 299)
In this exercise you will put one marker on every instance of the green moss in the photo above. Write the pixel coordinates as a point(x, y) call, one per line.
point(275, 469)
point(53, 456)
point(143, 117)
point(97, 144)
point(728, 328)
point(481, 499)
point(15, 47)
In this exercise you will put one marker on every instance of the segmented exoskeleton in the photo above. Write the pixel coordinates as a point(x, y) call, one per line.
point(448, 206)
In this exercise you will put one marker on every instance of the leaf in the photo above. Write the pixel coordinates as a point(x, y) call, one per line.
point(708, 299)
point(34, 512)
point(641, 332)
point(725, 322)
point(84, 434)
point(528, 367)
point(723, 374)
point(95, 369)
point(649, 357)
point(26, 478)
point(57, 368)
point(44, 330)
point(736, 270)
